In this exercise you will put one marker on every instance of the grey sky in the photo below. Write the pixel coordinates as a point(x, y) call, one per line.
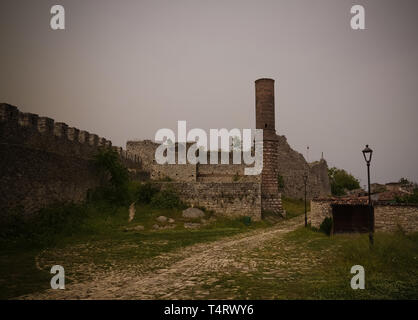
point(124, 69)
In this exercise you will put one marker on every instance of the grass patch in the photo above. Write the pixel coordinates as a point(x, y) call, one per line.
point(96, 234)
point(307, 264)
point(295, 207)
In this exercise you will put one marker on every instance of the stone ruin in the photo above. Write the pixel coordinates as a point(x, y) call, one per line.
point(224, 188)
point(44, 162)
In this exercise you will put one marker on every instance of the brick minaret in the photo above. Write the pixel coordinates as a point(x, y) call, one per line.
point(264, 115)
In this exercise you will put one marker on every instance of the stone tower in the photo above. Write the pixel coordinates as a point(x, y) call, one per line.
point(264, 115)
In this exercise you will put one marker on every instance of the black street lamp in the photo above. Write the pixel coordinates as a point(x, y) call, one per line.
point(305, 181)
point(367, 153)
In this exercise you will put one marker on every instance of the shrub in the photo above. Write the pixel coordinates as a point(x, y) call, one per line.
point(108, 163)
point(409, 198)
point(114, 178)
point(145, 192)
point(166, 199)
point(341, 180)
point(46, 226)
point(326, 226)
point(246, 220)
point(280, 182)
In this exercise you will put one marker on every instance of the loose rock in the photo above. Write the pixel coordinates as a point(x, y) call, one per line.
point(162, 219)
point(193, 213)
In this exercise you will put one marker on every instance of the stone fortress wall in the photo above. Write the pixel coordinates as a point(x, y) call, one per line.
point(44, 162)
point(292, 166)
point(230, 199)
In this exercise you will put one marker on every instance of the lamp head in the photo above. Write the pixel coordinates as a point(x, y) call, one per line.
point(367, 153)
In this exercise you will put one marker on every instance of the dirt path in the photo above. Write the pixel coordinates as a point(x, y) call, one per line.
point(183, 274)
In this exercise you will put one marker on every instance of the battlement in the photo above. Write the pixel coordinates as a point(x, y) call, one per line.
point(43, 133)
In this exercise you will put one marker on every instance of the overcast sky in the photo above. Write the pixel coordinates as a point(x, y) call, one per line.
point(124, 69)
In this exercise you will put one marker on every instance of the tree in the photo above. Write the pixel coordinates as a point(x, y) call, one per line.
point(406, 182)
point(341, 181)
point(114, 177)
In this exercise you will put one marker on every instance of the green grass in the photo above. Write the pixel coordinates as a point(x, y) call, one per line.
point(294, 207)
point(98, 233)
point(304, 264)
point(318, 267)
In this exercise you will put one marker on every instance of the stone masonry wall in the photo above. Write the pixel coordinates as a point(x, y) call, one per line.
point(319, 211)
point(224, 173)
point(226, 199)
point(145, 150)
point(43, 162)
point(292, 166)
point(388, 217)
point(184, 172)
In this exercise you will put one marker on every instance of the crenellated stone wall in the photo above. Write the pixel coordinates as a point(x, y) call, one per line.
point(43, 162)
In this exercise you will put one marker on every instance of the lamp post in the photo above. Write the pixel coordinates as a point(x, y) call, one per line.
point(305, 181)
point(367, 153)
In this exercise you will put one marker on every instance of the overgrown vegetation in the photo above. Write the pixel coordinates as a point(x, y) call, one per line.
point(295, 207)
point(326, 226)
point(101, 224)
point(145, 192)
point(316, 266)
point(341, 181)
point(408, 198)
point(166, 199)
point(280, 182)
point(114, 178)
point(97, 233)
point(236, 177)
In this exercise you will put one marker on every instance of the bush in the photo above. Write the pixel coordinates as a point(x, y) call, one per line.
point(109, 165)
point(114, 179)
point(246, 220)
point(46, 226)
point(280, 182)
point(326, 226)
point(409, 198)
point(145, 192)
point(166, 199)
point(341, 180)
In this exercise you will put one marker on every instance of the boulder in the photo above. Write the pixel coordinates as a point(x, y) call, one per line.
point(193, 213)
point(162, 219)
point(170, 220)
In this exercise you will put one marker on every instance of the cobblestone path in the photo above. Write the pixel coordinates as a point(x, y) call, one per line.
point(186, 273)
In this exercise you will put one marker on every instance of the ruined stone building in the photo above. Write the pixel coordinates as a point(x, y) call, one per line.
point(224, 188)
point(43, 162)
